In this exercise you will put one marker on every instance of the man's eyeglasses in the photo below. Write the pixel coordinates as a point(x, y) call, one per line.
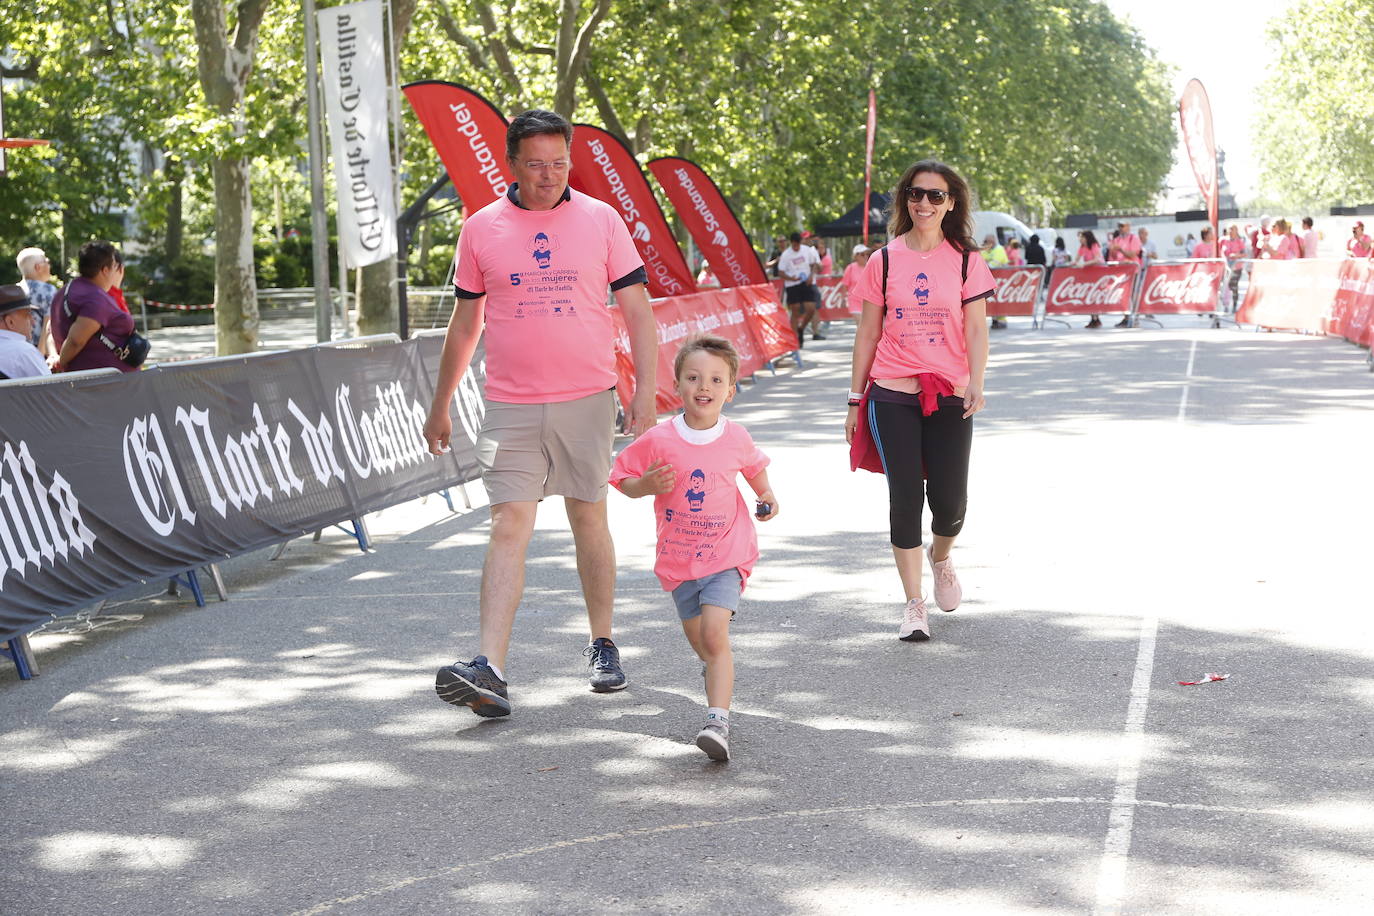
point(538, 165)
point(934, 195)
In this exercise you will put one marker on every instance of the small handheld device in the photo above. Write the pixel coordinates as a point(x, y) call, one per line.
point(762, 509)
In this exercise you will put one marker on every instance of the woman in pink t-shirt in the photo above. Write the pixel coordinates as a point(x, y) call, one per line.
point(1206, 248)
point(1089, 252)
point(1015, 258)
point(1281, 245)
point(852, 272)
point(917, 377)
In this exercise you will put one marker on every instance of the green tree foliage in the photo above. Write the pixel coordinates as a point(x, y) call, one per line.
point(1048, 106)
point(1314, 131)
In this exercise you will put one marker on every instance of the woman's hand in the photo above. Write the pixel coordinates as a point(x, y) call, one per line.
point(851, 423)
point(973, 400)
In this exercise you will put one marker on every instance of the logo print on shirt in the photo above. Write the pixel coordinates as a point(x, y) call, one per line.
point(922, 291)
point(696, 490)
point(541, 247)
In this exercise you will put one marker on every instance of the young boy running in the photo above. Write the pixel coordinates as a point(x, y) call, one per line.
point(706, 542)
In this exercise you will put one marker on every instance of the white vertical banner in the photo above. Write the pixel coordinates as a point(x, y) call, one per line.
point(355, 85)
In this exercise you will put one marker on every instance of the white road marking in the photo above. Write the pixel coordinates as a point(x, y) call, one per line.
point(1111, 875)
point(1187, 374)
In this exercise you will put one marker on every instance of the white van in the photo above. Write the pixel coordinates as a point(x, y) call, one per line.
point(1007, 227)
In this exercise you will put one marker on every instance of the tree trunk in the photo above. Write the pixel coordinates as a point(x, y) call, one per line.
point(236, 293)
point(176, 174)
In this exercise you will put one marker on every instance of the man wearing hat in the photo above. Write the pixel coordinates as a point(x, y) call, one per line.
point(1359, 244)
point(852, 272)
point(18, 357)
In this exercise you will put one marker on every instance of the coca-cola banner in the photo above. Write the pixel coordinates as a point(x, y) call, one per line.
point(1352, 314)
point(1096, 290)
point(1018, 290)
point(605, 169)
point(1195, 117)
point(709, 220)
point(834, 298)
point(109, 482)
point(1184, 288)
point(469, 135)
point(1296, 295)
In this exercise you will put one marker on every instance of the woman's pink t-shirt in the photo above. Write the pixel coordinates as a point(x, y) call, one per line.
point(1232, 247)
point(1205, 250)
point(1089, 254)
point(923, 330)
point(1015, 258)
point(1283, 247)
point(704, 526)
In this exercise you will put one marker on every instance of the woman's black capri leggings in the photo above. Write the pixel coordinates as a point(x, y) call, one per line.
point(907, 441)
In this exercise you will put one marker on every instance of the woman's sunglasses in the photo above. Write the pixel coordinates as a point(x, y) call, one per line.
point(934, 195)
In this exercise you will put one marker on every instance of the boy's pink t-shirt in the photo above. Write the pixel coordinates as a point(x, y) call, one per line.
point(545, 274)
point(852, 273)
point(923, 330)
point(704, 526)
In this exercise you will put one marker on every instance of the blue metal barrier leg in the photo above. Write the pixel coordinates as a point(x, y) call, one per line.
point(17, 650)
point(191, 580)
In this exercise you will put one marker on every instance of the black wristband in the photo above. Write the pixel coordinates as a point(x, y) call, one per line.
point(853, 403)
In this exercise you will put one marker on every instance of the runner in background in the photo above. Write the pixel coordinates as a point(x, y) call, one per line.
point(533, 268)
point(917, 376)
point(797, 265)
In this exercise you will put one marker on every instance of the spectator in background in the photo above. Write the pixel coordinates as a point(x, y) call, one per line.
point(36, 270)
point(1189, 245)
point(1089, 253)
point(1282, 245)
point(852, 272)
point(1359, 245)
point(1015, 258)
point(827, 260)
point(1310, 238)
point(1233, 248)
point(84, 312)
point(1060, 256)
point(1035, 252)
point(1125, 247)
point(18, 357)
point(993, 253)
point(1206, 248)
point(1259, 236)
point(779, 246)
point(706, 277)
point(1148, 252)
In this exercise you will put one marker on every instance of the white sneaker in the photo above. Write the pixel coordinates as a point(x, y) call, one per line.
point(948, 591)
point(915, 627)
point(714, 740)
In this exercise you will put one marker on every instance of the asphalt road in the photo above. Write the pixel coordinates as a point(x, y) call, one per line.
point(1147, 506)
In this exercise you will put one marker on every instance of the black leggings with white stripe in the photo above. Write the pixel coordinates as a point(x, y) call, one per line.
point(909, 441)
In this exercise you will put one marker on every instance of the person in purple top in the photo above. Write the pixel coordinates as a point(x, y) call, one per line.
point(84, 312)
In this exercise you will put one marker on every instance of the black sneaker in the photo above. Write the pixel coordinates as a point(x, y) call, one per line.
point(604, 659)
point(1124, 322)
point(475, 685)
point(818, 337)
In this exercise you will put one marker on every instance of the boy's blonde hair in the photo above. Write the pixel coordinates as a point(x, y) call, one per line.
point(716, 346)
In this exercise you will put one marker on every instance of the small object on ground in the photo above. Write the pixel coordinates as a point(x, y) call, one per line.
point(714, 741)
point(1205, 679)
point(761, 509)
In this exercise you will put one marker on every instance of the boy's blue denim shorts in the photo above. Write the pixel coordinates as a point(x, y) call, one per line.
point(721, 589)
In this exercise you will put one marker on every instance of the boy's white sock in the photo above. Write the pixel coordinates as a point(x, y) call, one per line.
point(717, 714)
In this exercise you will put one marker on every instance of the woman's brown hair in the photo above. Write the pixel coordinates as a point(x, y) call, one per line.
point(958, 222)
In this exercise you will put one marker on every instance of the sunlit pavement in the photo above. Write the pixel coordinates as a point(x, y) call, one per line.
point(1148, 506)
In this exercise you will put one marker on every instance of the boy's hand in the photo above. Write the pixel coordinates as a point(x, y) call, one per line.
point(659, 478)
point(767, 497)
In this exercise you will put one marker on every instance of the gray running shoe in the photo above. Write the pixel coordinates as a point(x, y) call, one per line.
point(714, 740)
point(475, 685)
point(604, 659)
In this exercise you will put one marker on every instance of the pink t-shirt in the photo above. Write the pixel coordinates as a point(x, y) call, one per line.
point(1205, 250)
point(1126, 248)
point(1089, 254)
point(827, 265)
point(1232, 248)
point(545, 274)
point(923, 330)
point(1282, 247)
point(1015, 258)
point(704, 526)
point(1310, 240)
point(1358, 247)
point(852, 273)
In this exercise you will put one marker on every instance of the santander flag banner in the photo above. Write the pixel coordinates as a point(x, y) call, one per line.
point(1195, 117)
point(1018, 288)
point(469, 135)
point(1091, 290)
point(1179, 289)
point(606, 170)
point(709, 220)
point(354, 76)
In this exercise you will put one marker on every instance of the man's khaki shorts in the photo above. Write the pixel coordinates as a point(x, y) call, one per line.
point(530, 451)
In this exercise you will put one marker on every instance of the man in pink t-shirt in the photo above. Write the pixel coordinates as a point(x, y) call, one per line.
point(534, 267)
point(1125, 246)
